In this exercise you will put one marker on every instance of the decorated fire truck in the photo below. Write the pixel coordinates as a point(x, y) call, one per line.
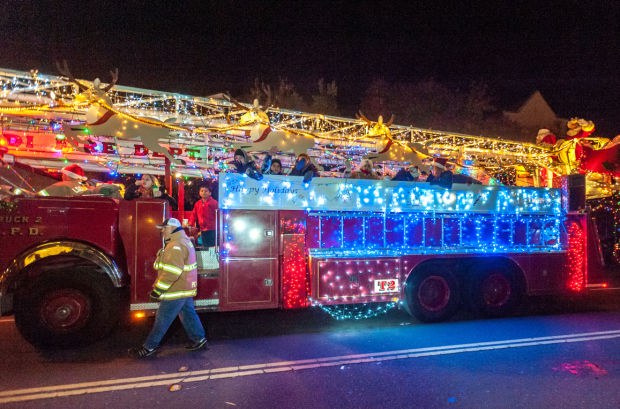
point(71, 267)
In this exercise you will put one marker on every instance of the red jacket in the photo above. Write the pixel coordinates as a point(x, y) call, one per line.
point(204, 212)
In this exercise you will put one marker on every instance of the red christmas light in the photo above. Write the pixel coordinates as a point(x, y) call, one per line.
point(576, 257)
point(294, 283)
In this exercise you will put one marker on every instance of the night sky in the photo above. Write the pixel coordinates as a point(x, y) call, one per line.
point(569, 50)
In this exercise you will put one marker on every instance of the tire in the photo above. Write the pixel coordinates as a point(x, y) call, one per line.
point(66, 309)
point(433, 295)
point(495, 291)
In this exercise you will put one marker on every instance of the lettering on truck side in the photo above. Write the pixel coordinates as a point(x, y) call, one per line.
point(9, 227)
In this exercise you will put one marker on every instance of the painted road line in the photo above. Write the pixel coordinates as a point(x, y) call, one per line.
point(375, 356)
point(410, 353)
point(300, 365)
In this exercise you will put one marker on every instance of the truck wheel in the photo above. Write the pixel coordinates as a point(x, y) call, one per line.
point(495, 292)
point(433, 295)
point(67, 309)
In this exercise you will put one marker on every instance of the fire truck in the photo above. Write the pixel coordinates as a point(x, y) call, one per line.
point(71, 267)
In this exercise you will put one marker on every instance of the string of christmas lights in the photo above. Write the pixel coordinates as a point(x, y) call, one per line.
point(356, 311)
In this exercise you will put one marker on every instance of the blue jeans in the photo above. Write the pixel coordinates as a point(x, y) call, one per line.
point(208, 238)
point(167, 312)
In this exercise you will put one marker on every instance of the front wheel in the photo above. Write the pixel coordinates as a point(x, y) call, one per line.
point(67, 309)
point(433, 295)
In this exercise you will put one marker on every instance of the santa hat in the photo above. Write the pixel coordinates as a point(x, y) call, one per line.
point(74, 172)
point(440, 163)
point(542, 133)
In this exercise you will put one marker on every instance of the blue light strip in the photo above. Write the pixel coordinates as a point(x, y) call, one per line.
point(237, 191)
point(443, 233)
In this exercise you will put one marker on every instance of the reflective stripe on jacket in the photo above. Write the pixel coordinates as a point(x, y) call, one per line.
point(176, 268)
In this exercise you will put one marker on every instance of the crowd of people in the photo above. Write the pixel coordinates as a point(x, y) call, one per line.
point(74, 181)
point(440, 170)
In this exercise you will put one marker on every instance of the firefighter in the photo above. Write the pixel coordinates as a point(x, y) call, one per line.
point(175, 289)
point(73, 183)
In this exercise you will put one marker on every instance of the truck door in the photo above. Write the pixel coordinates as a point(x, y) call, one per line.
point(249, 260)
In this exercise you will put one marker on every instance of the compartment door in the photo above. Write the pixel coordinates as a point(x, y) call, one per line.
point(248, 260)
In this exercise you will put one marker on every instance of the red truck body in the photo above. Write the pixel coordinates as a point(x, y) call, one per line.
point(56, 249)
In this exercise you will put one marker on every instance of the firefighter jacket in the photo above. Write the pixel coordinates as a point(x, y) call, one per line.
point(176, 268)
point(66, 188)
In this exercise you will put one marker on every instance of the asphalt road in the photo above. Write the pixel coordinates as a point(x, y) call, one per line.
point(551, 354)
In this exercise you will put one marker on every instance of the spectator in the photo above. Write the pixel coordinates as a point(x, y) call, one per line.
point(304, 167)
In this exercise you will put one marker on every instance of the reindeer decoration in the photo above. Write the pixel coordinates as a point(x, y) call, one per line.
point(262, 136)
point(388, 148)
point(103, 119)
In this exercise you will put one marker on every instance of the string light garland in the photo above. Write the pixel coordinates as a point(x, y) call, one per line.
point(7, 206)
point(207, 117)
point(356, 311)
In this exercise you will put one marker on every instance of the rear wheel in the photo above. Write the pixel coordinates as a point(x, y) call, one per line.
point(495, 291)
point(432, 295)
point(67, 309)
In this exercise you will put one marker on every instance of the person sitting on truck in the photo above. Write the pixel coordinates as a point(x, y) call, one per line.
point(144, 188)
point(204, 213)
point(304, 167)
point(440, 174)
point(171, 200)
point(243, 164)
point(271, 166)
point(411, 174)
point(365, 171)
point(465, 179)
point(73, 183)
point(174, 289)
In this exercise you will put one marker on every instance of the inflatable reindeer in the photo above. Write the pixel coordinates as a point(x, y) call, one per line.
point(103, 119)
point(388, 148)
point(262, 136)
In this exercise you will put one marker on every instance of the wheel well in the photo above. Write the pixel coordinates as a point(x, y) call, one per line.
point(28, 266)
point(54, 255)
point(39, 269)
